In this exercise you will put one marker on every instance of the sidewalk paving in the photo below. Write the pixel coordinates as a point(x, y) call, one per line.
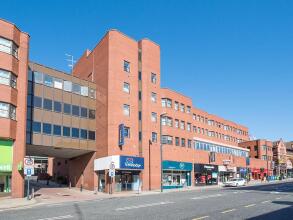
point(55, 195)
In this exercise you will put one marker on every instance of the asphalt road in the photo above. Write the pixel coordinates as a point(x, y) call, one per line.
point(273, 201)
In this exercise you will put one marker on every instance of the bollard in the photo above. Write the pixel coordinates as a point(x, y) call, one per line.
point(33, 192)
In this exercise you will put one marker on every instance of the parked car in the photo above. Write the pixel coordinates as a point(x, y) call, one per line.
point(235, 182)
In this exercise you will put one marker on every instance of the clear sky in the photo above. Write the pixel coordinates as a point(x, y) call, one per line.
point(233, 58)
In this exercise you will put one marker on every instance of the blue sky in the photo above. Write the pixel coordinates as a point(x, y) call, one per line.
point(233, 58)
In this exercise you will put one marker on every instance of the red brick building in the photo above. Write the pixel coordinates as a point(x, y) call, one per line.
point(261, 152)
point(111, 110)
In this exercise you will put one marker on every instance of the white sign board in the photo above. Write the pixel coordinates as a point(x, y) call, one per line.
point(29, 164)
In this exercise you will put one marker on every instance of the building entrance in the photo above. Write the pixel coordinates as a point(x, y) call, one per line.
point(126, 180)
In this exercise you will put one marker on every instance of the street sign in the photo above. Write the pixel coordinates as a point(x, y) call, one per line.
point(29, 164)
point(112, 169)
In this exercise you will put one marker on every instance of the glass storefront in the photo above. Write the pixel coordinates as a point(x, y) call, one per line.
point(226, 173)
point(5, 165)
point(176, 174)
point(205, 174)
point(126, 180)
point(5, 183)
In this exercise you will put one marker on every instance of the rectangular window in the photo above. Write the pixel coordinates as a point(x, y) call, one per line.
point(182, 107)
point(154, 97)
point(182, 125)
point(166, 139)
point(66, 131)
point(127, 132)
point(188, 109)
point(139, 75)
point(153, 78)
point(83, 134)
point(176, 106)
point(67, 86)
point(139, 115)
point(126, 110)
point(75, 110)
point(48, 80)
point(7, 78)
point(83, 112)
point(182, 142)
point(139, 136)
point(188, 127)
point(154, 137)
point(38, 77)
point(177, 141)
point(84, 90)
point(48, 104)
point(66, 108)
point(176, 123)
point(57, 130)
point(189, 143)
point(92, 93)
point(58, 83)
point(74, 132)
point(76, 88)
point(154, 117)
point(57, 106)
point(92, 114)
point(91, 135)
point(37, 103)
point(139, 95)
point(47, 128)
point(37, 127)
point(8, 46)
point(169, 103)
point(126, 87)
point(126, 66)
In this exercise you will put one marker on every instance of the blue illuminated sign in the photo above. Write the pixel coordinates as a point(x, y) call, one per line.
point(121, 135)
point(131, 163)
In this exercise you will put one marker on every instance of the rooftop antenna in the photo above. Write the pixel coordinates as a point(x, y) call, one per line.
point(70, 61)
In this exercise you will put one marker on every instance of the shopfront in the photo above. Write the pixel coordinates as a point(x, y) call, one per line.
point(259, 174)
point(6, 155)
point(205, 174)
point(226, 173)
point(241, 172)
point(176, 174)
point(127, 172)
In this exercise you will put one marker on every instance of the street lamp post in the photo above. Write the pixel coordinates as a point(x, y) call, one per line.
point(161, 150)
point(267, 163)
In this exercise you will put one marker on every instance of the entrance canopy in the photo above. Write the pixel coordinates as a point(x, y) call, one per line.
point(120, 162)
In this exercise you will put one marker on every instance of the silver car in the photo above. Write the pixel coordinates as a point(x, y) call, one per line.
point(235, 182)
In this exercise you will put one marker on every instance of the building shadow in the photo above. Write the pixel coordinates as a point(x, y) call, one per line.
point(281, 214)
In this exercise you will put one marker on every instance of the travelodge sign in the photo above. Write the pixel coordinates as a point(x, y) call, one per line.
point(131, 163)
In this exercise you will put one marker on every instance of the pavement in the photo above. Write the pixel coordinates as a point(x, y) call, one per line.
point(260, 201)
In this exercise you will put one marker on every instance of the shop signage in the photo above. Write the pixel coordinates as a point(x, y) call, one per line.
point(226, 162)
point(132, 163)
point(208, 167)
point(174, 165)
point(121, 135)
point(5, 167)
point(112, 169)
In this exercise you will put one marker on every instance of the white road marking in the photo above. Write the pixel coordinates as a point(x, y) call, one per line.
point(251, 205)
point(57, 217)
point(203, 217)
point(275, 192)
point(267, 201)
point(278, 198)
point(206, 197)
point(227, 211)
point(143, 206)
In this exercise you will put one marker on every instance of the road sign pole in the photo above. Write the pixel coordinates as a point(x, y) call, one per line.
point(28, 188)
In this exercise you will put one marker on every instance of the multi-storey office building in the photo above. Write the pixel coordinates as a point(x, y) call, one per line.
point(263, 150)
point(112, 109)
